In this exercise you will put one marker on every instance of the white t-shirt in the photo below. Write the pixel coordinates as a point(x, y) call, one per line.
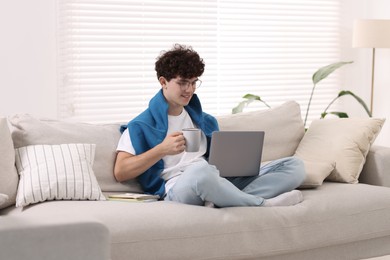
point(174, 165)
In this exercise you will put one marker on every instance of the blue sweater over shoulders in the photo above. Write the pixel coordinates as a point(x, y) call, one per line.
point(150, 128)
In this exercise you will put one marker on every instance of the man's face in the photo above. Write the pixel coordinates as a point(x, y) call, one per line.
point(178, 91)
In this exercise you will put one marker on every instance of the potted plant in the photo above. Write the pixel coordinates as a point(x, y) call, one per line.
point(318, 76)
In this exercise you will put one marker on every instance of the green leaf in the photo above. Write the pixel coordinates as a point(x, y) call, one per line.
point(249, 99)
point(339, 114)
point(361, 102)
point(252, 97)
point(240, 107)
point(324, 72)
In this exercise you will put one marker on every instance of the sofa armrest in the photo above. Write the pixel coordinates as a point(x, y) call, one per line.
point(376, 170)
point(24, 238)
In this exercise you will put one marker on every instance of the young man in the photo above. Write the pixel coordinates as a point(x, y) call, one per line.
point(152, 147)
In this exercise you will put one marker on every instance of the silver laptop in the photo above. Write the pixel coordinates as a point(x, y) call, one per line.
point(237, 153)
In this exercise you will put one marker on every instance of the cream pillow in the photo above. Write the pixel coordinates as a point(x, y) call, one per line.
point(8, 176)
point(342, 141)
point(316, 172)
point(283, 128)
point(56, 172)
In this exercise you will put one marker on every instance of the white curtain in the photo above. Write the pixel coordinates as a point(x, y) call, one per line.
point(271, 48)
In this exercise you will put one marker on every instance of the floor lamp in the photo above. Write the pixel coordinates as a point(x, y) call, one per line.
point(371, 34)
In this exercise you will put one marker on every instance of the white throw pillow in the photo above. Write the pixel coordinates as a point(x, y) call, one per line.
point(56, 172)
point(342, 141)
point(283, 127)
point(8, 176)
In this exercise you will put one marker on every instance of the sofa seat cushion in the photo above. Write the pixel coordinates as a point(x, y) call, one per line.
point(332, 215)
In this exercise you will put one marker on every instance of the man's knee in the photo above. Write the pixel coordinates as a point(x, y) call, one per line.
point(298, 169)
point(194, 184)
point(201, 174)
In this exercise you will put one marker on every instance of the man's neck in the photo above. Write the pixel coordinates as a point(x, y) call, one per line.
point(175, 111)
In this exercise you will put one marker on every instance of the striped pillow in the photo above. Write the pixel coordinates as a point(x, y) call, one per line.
point(56, 172)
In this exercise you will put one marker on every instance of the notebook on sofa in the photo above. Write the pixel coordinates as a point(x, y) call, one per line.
point(237, 153)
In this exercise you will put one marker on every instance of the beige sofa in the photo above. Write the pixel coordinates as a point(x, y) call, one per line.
point(45, 215)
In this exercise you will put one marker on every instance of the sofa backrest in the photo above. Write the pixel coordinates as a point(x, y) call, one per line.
point(28, 130)
point(283, 128)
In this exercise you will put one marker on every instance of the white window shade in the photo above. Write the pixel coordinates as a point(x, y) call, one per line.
point(107, 51)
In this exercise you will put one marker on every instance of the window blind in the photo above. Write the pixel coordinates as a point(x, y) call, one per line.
point(271, 48)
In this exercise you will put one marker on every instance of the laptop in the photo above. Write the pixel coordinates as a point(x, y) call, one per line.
point(237, 153)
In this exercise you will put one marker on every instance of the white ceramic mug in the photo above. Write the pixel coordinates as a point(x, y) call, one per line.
point(192, 137)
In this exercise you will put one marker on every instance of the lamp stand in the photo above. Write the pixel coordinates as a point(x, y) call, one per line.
point(372, 81)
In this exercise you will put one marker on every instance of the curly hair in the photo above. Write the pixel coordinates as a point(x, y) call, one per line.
point(180, 61)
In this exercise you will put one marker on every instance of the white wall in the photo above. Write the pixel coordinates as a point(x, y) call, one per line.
point(28, 79)
point(28, 58)
point(382, 76)
point(357, 77)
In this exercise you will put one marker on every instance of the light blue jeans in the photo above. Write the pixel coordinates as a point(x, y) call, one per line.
point(201, 182)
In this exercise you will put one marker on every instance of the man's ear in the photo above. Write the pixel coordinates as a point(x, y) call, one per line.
point(163, 81)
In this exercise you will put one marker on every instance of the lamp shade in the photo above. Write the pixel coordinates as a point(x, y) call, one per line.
point(371, 34)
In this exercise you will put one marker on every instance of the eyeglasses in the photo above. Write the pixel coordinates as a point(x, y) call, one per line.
point(185, 84)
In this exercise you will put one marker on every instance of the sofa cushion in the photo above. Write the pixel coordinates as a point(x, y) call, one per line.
point(376, 168)
point(8, 175)
point(283, 128)
point(3, 199)
point(342, 141)
point(28, 130)
point(55, 172)
point(60, 238)
point(334, 214)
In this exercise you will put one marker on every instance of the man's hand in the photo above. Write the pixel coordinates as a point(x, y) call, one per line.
point(173, 143)
point(129, 166)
